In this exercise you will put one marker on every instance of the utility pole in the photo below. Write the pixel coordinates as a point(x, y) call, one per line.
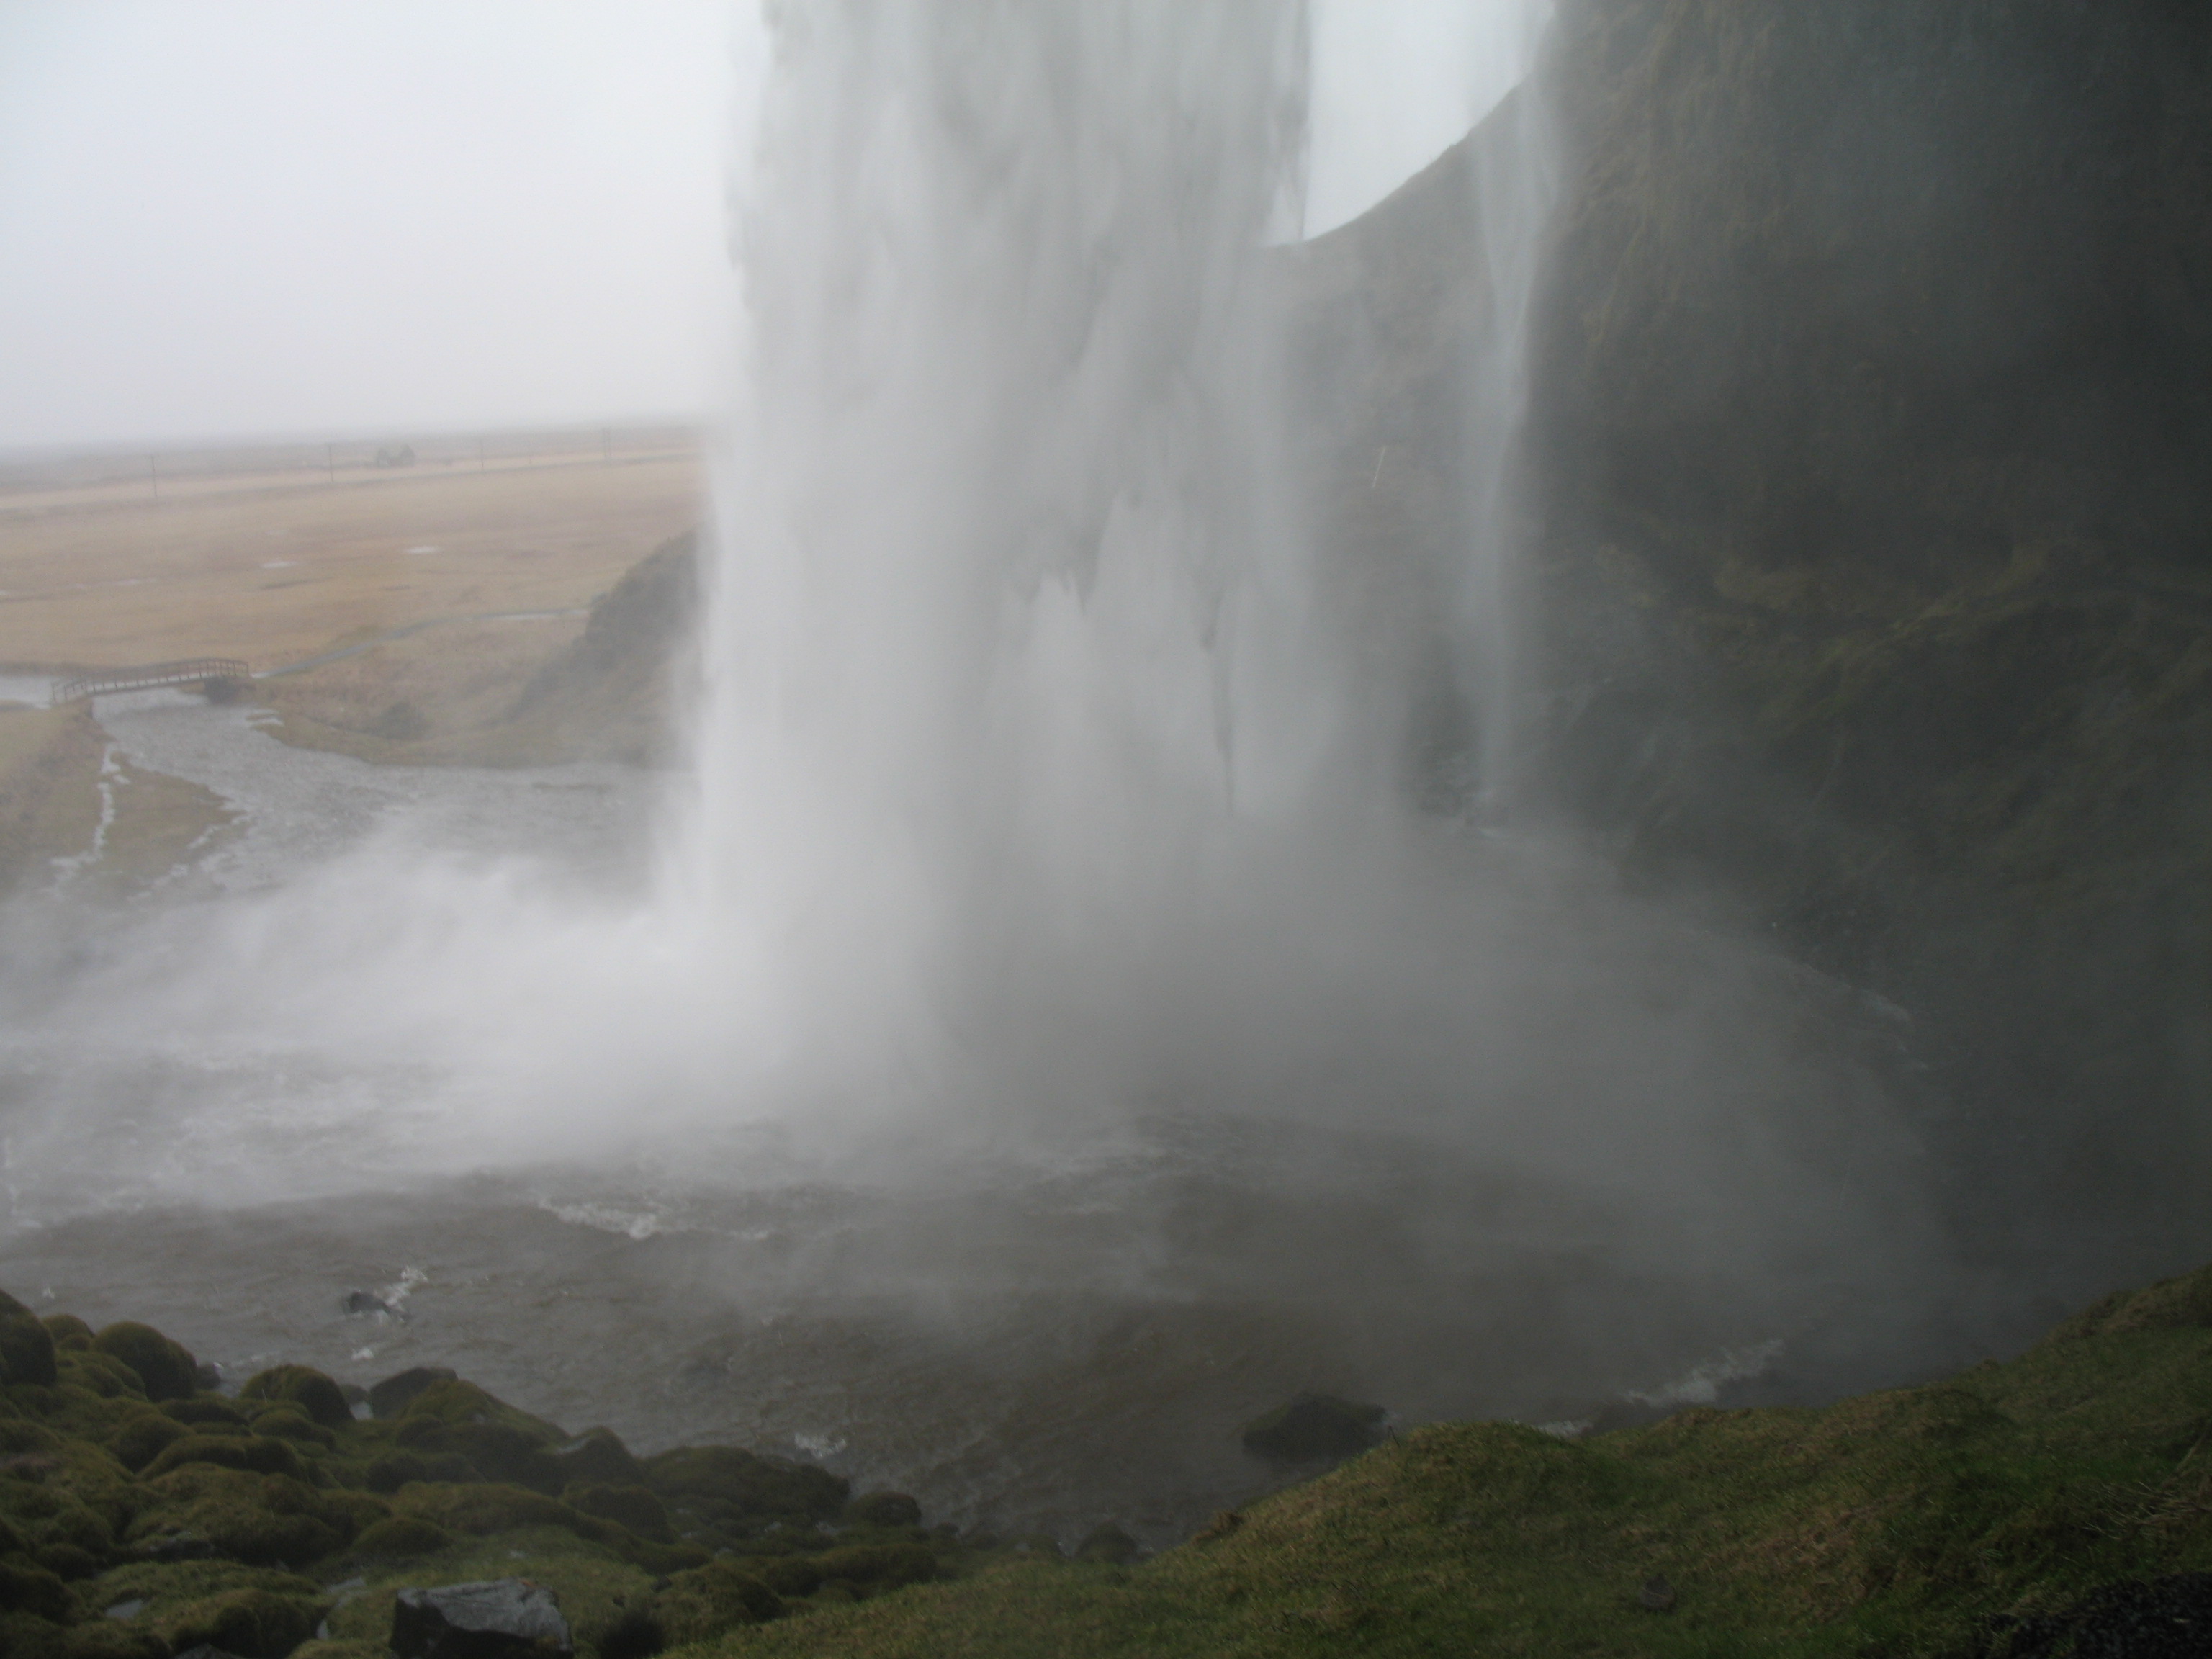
point(606, 448)
point(480, 465)
point(153, 467)
point(330, 462)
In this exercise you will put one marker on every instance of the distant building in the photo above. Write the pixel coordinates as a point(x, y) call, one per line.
point(395, 455)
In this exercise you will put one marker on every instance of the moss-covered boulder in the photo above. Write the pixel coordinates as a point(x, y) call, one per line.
point(67, 1331)
point(143, 1436)
point(630, 1506)
point(597, 1456)
point(166, 1370)
point(101, 1375)
point(263, 1519)
point(488, 1507)
point(315, 1395)
point(397, 1392)
point(256, 1454)
point(709, 1600)
point(499, 1441)
point(26, 1346)
point(290, 1423)
point(753, 1485)
point(205, 1411)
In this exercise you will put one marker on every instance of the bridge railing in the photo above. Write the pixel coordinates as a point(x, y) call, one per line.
point(149, 675)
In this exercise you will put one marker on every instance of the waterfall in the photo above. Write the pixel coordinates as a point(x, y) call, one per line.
point(1032, 746)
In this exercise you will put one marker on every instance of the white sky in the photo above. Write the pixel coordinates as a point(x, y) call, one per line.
point(241, 217)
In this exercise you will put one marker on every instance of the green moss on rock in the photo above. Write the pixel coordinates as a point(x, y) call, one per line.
point(316, 1395)
point(402, 1535)
point(707, 1601)
point(165, 1369)
point(769, 1488)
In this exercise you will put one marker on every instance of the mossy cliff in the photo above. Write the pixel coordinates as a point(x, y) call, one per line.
point(1866, 595)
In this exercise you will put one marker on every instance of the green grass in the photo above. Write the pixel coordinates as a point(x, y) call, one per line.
point(1897, 1523)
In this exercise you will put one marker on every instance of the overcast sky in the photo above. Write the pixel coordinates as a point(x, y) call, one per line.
point(238, 217)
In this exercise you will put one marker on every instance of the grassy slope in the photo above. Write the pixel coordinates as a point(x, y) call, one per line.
point(1898, 1522)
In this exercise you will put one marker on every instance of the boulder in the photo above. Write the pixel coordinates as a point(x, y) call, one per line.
point(598, 1456)
point(490, 1618)
point(1313, 1426)
point(26, 1346)
point(625, 1505)
point(396, 1392)
point(165, 1369)
point(314, 1393)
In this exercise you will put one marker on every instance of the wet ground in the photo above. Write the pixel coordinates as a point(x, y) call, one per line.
point(1070, 1332)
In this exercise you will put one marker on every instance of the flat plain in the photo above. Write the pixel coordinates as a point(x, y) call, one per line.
point(438, 589)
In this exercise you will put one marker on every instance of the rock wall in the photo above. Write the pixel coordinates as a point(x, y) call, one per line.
point(1871, 483)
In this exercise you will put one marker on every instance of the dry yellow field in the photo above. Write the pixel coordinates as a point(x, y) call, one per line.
point(277, 575)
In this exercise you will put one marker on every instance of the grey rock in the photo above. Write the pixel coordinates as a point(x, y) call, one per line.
point(491, 1618)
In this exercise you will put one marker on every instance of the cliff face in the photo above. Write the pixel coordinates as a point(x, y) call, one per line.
point(1871, 464)
point(1865, 585)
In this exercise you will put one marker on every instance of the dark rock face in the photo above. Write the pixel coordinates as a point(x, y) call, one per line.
point(1871, 410)
point(1866, 596)
point(492, 1618)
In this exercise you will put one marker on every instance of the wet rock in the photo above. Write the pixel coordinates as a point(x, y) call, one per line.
point(316, 1395)
point(491, 1618)
point(1313, 1426)
point(396, 1392)
point(1657, 1595)
point(166, 1370)
point(883, 1509)
point(368, 1303)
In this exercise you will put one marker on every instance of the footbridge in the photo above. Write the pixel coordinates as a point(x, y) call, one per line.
point(191, 670)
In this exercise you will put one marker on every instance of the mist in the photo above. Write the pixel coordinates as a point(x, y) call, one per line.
point(1058, 944)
